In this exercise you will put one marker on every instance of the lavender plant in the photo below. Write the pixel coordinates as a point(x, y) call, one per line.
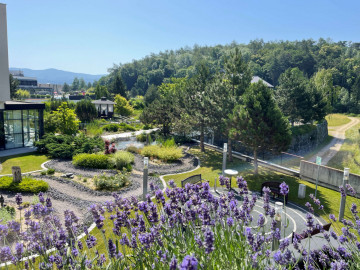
point(183, 228)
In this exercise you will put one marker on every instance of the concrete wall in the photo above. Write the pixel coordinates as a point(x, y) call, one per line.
point(4, 59)
point(328, 177)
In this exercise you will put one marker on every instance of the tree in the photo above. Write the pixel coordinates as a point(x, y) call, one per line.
point(237, 78)
point(67, 122)
point(323, 81)
point(14, 83)
point(151, 95)
point(66, 88)
point(88, 85)
point(82, 84)
point(22, 94)
point(259, 122)
point(118, 86)
point(197, 101)
point(76, 84)
point(122, 106)
point(293, 96)
point(86, 110)
point(101, 91)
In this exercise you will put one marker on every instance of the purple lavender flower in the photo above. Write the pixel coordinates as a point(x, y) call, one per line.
point(342, 191)
point(18, 199)
point(173, 263)
point(209, 241)
point(284, 189)
point(172, 183)
point(41, 197)
point(112, 248)
point(350, 189)
point(230, 222)
point(261, 221)
point(332, 217)
point(189, 263)
point(91, 241)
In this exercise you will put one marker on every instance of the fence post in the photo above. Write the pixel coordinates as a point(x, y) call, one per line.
point(224, 158)
point(343, 198)
point(145, 177)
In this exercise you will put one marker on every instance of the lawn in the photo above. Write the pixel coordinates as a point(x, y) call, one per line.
point(27, 162)
point(337, 119)
point(349, 154)
point(211, 167)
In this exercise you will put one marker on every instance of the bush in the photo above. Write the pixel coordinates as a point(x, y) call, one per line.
point(141, 137)
point(10, 210)
point(96, 161)
point(133, 149)
point(66, 146)
point(302, 129)
point(5, 216)
point(43, 172)
point(50, 171)
point(168, 143)
point(167, 154)
point(103, 182)
point(26, 185)
point(122, 159)
point(111, 127)
point(126, 127)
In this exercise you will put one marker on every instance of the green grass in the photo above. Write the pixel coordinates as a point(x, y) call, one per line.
point(349, 154)
point(27, 162)
point(336, 119)
point(211, 167)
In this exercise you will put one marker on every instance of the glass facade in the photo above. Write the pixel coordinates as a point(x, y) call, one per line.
point(21, 128)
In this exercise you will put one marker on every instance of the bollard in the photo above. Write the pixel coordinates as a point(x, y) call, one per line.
point(145, 177)
point(302, 191)
point(224, 159)
point(343, 199)
point(16, 172)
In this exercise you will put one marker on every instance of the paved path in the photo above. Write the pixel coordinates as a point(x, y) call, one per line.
point(330, 150)
point(127, 134)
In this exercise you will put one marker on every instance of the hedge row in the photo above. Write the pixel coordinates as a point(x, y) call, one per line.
point(26, 185)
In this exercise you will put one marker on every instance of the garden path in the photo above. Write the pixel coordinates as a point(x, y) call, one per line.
point(338, 132)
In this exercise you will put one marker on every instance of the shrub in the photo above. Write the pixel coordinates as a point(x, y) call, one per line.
point(133, 149)
point(122, 159)
point(103, 182)
point(43, 172)
point(167, 143)
point(50, 171)
point(126, 127)
point(10, 210)
point(141, 137)
point(111, 127)
point(167, 154)
point(5, 216)
point(26, 185)
point(65, 146)
point(96, 161)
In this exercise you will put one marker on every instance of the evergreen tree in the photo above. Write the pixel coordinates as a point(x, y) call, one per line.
point(151, 95)
point(76, 84)
point(259, 122)
point(293, 96)
point(66, 120)
point(82, 84)
point(237, 78)
point(86, 110)
point(13, 85)
point(122, 106)
point(88, 85)
point(118, 86)
point(101, 91)
point(66, 88)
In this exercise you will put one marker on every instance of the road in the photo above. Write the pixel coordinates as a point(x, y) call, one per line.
point(330, 150)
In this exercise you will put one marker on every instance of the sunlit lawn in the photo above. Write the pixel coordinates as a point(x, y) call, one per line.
point(27, 162)
point(337, 119)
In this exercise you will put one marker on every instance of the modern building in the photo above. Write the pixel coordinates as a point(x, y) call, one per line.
point(21, 123)
point(104, 107)
point(31, 84)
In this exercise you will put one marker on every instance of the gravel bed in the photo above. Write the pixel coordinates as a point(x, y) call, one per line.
point(66, 166)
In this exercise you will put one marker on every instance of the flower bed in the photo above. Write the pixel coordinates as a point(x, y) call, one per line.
point(193, 229)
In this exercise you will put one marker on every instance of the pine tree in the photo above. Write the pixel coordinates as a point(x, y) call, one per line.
point(259, 122)
point(118, 86)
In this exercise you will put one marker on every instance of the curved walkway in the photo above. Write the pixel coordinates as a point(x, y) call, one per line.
point(330, 150)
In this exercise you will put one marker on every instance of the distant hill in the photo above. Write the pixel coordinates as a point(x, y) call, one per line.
point(57, 76)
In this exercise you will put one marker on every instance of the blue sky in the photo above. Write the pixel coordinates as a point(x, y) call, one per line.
point(89, 36)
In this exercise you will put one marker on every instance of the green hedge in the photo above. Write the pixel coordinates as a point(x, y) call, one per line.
point(26, 185)
point(95, 161)
point(302, 129)
point(118, 127)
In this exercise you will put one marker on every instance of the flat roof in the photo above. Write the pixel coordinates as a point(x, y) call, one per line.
point(99, 101)
point(23, 105)
point(25, 78)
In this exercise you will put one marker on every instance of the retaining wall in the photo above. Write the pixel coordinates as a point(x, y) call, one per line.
point(328, 177)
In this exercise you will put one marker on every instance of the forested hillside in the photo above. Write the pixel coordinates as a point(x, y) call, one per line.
point(337, 62)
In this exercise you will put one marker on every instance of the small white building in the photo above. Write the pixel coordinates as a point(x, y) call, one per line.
point(104, 107)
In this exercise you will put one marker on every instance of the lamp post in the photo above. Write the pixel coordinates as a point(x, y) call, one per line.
point(343, 198)
point(145, 177)
point(224, 159)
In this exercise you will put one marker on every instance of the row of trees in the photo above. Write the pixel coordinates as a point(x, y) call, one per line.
point(338, 61)
point(224, 102)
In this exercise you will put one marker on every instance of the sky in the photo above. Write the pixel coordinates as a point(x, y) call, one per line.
point(89, 36)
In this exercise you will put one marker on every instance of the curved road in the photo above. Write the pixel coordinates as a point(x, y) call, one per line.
point(330, 150)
